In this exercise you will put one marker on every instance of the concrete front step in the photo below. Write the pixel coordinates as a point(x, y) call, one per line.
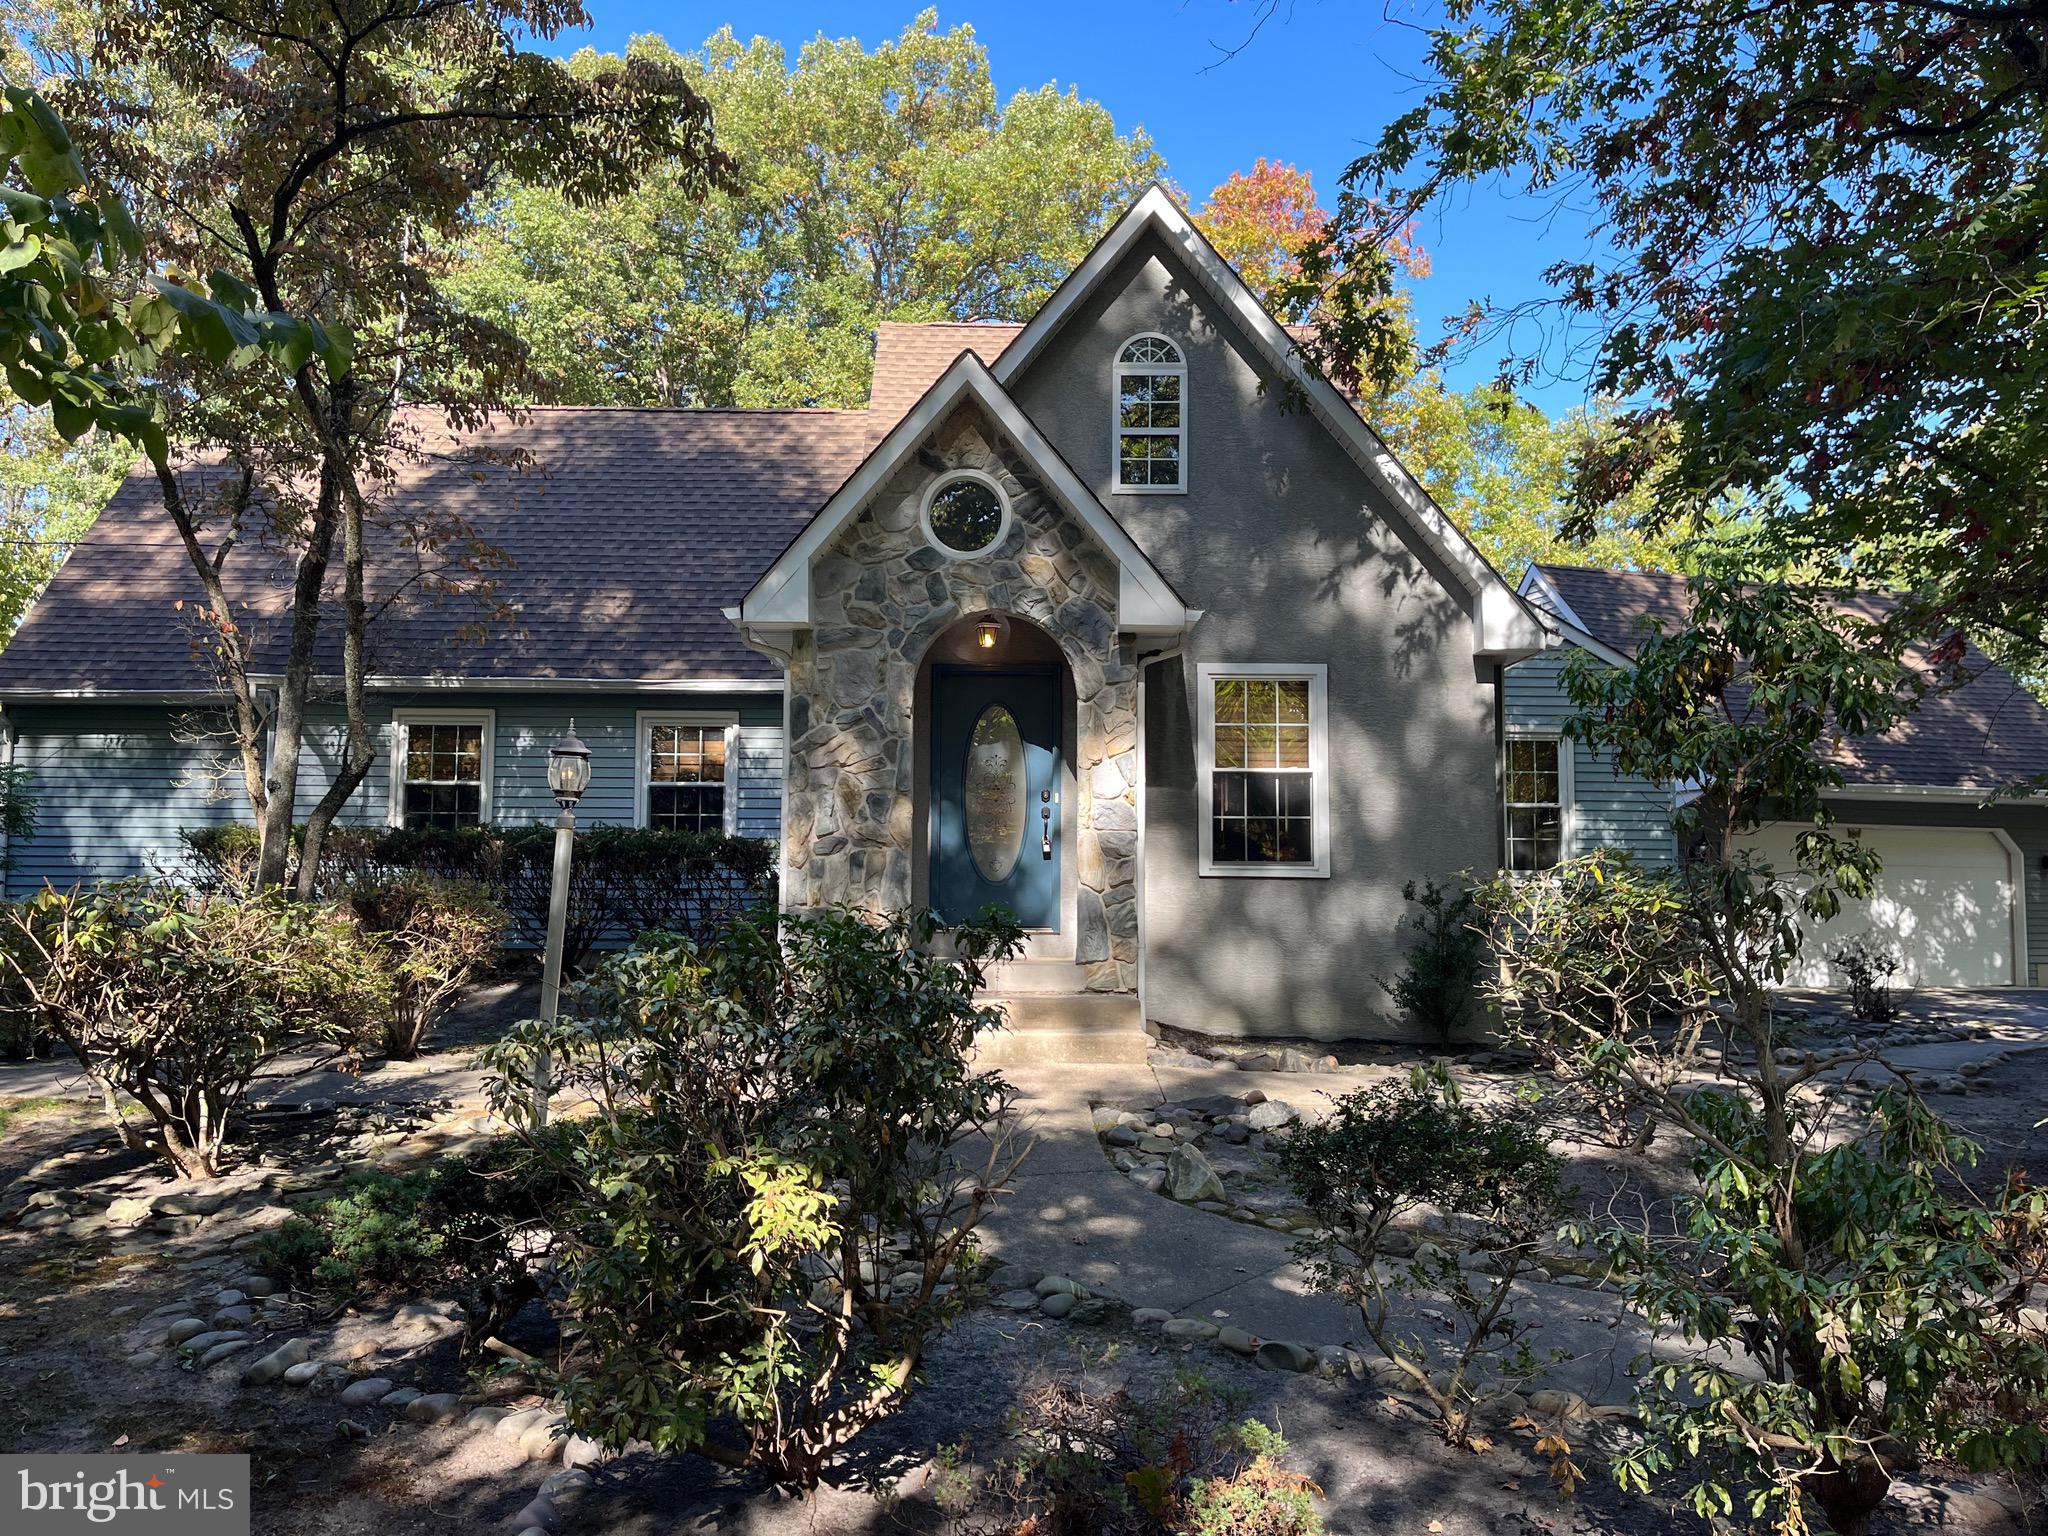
point(1038, 977)
point(1056, 1027)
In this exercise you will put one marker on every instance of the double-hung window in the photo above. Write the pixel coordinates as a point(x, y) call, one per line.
point(1536, 798)
point(1264, 765)
point(685, 777)
point(442, 775)
point(1151, 416)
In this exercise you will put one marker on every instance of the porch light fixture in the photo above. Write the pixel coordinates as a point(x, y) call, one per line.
point(568, 778)
point(988, 634)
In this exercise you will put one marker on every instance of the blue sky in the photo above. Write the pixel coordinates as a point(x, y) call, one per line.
point(1317, 82)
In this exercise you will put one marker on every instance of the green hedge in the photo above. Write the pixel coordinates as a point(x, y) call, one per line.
point(624, 881)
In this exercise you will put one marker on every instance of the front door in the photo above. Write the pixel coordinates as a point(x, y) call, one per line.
point(995, 820)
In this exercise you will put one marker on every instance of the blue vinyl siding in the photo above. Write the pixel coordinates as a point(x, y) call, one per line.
point(114, 785)
point(117, 783)
point(1609, 810)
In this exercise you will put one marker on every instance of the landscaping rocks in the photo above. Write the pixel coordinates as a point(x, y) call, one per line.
point(542, 1440)
point(221, 1351)
point(514, 1425)
point(1271, 1115)
point(1237, 1341)
point(1190, 1176)
point(304, 1373)
point(184, 1329)
point(1053, 1285)
point(200, 1343)
point(399, 1398)
point(1018, 1301)
point(1190, 1328)
point(434, 1408)
point(1058, 1304)
point(361, 1394)
point(276, 1363)
point(1278, 1355)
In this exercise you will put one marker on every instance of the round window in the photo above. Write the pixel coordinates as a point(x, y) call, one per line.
point(965, 515)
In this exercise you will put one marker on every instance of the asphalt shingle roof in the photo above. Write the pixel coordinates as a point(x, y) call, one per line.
point(909, 359)
point(627, 532)
point(1985, 734)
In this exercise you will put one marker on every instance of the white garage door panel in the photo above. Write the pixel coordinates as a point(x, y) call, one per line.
point(1944, 904)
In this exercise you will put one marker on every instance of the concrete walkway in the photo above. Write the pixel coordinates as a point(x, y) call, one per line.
point(1072, 1213)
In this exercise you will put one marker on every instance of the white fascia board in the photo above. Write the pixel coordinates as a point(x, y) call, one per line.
point(1533, 578)
point(1572, 634)
point(1146, 599)
point(1158, 211)
point(1982, 798)
point(446, 683)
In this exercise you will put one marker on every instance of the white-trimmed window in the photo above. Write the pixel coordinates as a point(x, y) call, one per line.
point(1151, 424)
point(1263, 760)
point(441, 767)
point(1536, 798)
point(688, 760)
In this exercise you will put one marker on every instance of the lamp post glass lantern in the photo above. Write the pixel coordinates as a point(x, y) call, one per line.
point(568, 778)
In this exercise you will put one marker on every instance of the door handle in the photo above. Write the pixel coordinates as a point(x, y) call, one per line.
point(1045, 824)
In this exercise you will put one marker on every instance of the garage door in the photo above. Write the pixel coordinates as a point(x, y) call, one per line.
point(1944, 904)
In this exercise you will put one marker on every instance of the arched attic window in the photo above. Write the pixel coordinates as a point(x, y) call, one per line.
point(1151, 416)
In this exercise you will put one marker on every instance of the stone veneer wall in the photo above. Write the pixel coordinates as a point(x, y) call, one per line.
point(880, 596)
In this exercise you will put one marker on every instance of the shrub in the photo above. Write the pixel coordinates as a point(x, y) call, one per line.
point(1896, 1333)
point(430, 935)
point(1599, 971)
point(1438, 988)
point(625, 880)
point(1868, 967)
point(177, 1001)
point(766, 1134)
point(1174, 1464)
point(1384, 1152)
point(471, 1230)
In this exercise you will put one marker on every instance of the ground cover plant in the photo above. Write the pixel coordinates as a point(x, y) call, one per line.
point(774, 1156)
point(1182, 1461)
point(1384, 1152)
point(470, 1229)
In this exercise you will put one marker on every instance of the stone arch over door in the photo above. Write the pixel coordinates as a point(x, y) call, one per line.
point(882, 597)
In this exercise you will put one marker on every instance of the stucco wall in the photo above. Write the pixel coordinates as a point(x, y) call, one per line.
point(117, 783)
point(1285, 545)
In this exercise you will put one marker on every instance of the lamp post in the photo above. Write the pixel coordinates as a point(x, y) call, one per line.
point(568, 777)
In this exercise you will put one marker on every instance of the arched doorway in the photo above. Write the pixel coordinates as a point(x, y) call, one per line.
point(994, 758)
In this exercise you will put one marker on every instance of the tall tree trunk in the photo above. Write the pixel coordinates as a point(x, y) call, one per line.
point(281, 784)
point(362, 747)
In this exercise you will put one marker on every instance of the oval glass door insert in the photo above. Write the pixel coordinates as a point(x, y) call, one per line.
point(995, 793)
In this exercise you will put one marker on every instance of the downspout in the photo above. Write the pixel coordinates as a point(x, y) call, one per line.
point(1145, 659)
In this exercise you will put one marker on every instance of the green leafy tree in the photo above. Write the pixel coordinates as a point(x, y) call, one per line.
point(51, 492)
point(1846, 1277)
point(1818, 259)
point(872, 184)
point(294, 161)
